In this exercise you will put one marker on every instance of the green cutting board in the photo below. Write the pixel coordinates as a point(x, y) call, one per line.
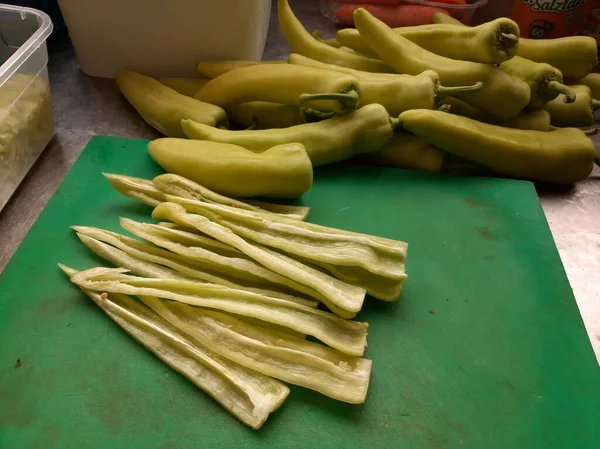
point(485, 348)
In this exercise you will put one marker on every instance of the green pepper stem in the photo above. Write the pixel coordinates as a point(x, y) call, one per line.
point(560, 88)
point(394, 122)
point(254, 124)
point(595, 104)
point(509, 39)
point(444, 91)
point(317, 35)
point(316, 115)
point(331, 42)
point(348, 100)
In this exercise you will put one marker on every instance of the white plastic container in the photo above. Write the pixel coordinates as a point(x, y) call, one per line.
point(164, 37)
point(26, 118)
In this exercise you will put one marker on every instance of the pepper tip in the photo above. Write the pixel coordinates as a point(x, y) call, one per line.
point(359, 12)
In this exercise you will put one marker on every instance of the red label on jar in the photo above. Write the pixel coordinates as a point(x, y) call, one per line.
point(546, 19)
point(556, 6)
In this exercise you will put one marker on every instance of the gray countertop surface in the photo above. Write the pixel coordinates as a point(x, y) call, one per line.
point(86, 106)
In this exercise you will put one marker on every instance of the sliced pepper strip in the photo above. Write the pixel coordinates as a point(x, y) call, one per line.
point(342, 298)
point(380, 287)
point(246, 394)
point(275, 328)
point(296, 361)
point(316, 243)
point(137, 188)
point(148, 261)
point(349, 337)
point(182, 187)
point(310, 240)
point(140, 267)
point(287, 210)
point(120, 258)
point(151, 193)
point(184, 235)
point(240, 267)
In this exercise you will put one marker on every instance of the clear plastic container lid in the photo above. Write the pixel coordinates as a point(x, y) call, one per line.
point(22, 31)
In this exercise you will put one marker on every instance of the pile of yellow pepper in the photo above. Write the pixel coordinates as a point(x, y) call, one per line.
point(429, 97)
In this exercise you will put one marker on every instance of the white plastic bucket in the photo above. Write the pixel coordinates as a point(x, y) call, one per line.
point(164, 37)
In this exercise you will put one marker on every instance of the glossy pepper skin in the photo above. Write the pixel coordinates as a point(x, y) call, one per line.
point(592, 81)
point(491, 43)
point(545, 81)
point(281, 83)
point(265, 115)
point(332, 42)
point(563, 156)
point(397, 93)
point(256, 114)
point(365, 130)
point(407, 151)
point(164, 108)
point(538, 120)
point(304, 43)
point(574, 56)
point(502, 95)
point(185, 86)
point(213, 69)
point(283, 171)
point(577, 114)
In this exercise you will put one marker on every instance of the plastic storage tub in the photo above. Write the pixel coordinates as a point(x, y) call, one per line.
point(401, 13)
point(26, 118)
point(164, 37)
